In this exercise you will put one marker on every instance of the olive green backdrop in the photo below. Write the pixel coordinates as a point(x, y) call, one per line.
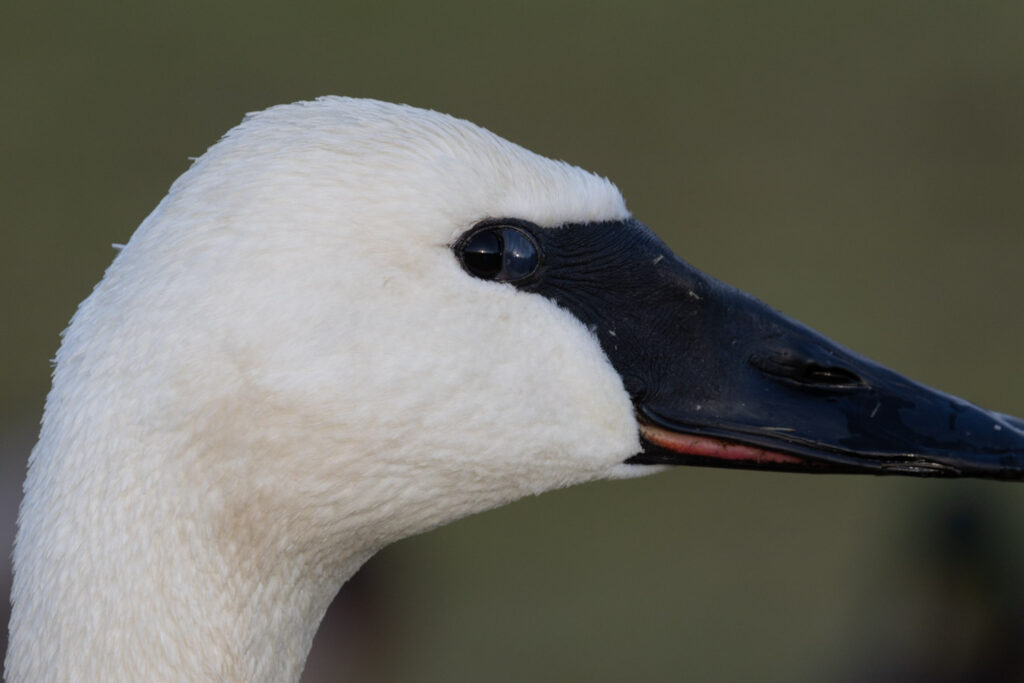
point(859, 166)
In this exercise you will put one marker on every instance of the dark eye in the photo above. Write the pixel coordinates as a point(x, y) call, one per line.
point(498, 252)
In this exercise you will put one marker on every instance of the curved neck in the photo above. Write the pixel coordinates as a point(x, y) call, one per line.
point(169, 583)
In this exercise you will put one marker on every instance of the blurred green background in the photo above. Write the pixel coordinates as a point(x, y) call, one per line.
point(859, 166)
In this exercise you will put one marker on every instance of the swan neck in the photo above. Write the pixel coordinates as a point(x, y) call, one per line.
point(172, 582)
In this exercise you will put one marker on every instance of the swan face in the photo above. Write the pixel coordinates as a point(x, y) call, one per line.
point(352, 321)
point(297, 317)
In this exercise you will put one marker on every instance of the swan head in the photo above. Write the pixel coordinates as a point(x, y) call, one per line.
point(352, 321)
point(293, 316)
point(311, 314)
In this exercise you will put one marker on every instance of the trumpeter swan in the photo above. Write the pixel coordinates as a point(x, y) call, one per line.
point(352, 321)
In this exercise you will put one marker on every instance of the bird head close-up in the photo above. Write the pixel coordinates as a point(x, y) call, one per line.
point(350, 322)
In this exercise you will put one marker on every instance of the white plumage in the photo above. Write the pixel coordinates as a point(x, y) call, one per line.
point(350, 322)
point(286, 369)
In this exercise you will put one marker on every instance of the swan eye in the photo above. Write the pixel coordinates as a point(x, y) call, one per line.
point(498, 252)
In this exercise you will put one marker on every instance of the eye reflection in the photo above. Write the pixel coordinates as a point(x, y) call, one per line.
point(482, 254)
point(498, 252)
point(520, 258)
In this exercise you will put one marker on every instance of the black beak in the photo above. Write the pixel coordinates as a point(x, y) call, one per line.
point(720, 379)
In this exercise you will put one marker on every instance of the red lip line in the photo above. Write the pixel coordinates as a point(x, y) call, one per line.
point(707, 447)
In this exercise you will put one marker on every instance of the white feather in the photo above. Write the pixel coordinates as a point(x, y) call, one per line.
point(286, 369)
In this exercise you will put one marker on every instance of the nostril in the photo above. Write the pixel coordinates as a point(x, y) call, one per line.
point(807, 373)
point(812, 373)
